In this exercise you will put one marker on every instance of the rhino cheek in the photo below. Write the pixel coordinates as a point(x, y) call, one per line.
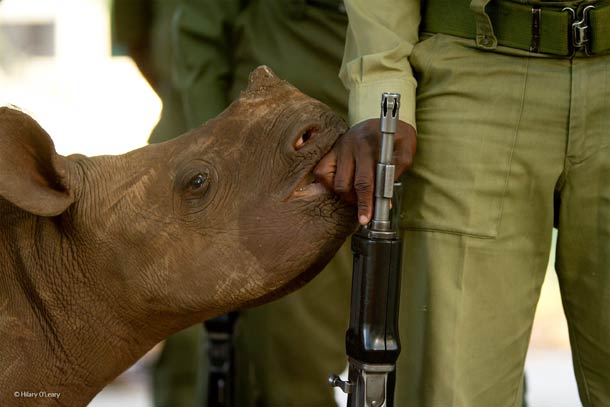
point(296, 240)
point(216, 275)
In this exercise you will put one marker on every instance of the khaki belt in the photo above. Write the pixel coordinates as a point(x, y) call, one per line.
point(540, 27)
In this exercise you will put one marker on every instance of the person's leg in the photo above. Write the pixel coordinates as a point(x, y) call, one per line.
point(174, 375)
point(478, 216)
point(583, 248)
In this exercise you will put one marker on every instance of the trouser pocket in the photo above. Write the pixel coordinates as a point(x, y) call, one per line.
point(469, 104)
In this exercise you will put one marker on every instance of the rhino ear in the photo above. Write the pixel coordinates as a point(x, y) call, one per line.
point(32, 175)
point(261, 78)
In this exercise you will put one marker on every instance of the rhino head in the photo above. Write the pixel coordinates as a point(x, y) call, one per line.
point(102, 257)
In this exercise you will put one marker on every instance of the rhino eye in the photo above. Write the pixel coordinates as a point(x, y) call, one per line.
point(198, 182)
point(194, 186)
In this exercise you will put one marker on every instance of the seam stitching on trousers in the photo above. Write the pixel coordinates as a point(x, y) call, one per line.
point(574, 345)
point(447, 231)
point(567, 165)
point(514, 146)
point(582, 370)
point(515, 138)
point(458, 318)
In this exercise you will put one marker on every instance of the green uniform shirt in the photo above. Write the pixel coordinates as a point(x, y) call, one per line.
point(218, 43)
point(142, 30)
point(380, 38)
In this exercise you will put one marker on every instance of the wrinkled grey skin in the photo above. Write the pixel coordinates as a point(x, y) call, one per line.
point(102, 257)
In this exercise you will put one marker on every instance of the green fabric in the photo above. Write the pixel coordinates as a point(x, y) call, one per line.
point(204, 57)
point(600, 21)
point(306, 50)
point(142, 29)
point(501, 135)
point(175, 373)
point(512, 24)
point(219, 43)
point(285, 350)
point(130, 23)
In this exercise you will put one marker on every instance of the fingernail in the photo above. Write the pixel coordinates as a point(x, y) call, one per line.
point(363, 219)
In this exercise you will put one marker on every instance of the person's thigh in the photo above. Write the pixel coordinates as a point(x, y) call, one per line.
point(478, 220)
point(583, 252)
point(174, 375)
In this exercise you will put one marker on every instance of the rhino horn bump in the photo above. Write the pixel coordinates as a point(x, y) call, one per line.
point(261, 78)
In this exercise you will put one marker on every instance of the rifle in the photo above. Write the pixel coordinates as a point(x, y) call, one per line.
point(372, 339)
point(221, 360)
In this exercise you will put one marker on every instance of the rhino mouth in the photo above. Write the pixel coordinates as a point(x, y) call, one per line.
point(309, 187)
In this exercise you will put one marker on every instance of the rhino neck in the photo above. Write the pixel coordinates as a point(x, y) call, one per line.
point(62, 327)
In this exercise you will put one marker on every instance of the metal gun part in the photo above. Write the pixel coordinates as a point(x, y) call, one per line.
point(384, 177)
point(372, 341)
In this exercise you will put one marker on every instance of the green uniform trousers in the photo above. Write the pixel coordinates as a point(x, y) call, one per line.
point(285, 350)
point(509, 144)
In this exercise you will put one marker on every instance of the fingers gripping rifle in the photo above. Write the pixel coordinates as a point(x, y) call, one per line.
point(372, 341)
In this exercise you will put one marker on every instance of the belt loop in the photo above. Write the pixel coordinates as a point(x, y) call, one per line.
point(536, 17)
point(485, 38)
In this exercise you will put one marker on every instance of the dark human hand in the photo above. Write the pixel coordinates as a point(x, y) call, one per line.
point(349, 168)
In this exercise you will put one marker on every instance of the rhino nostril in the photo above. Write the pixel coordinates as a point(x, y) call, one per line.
point(304, 138)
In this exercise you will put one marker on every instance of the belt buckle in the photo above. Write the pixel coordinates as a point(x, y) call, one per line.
point(581, 40)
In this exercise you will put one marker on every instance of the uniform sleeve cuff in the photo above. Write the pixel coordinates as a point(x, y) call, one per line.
point(365, 98)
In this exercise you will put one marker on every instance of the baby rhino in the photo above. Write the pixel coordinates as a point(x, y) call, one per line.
point(103, 257)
